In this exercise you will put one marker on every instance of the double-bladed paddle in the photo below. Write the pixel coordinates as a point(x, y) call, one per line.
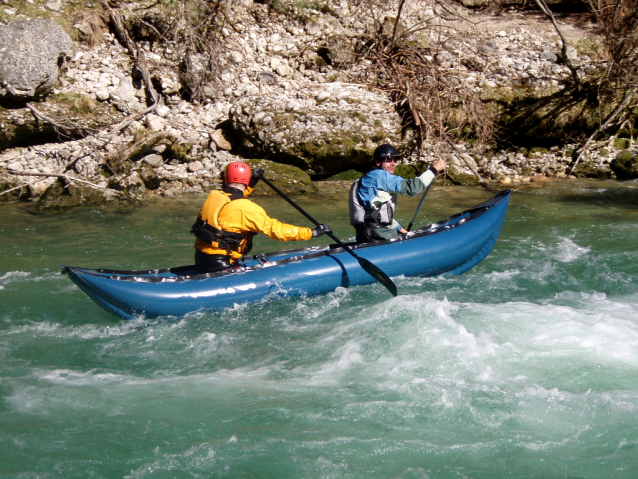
point(371, 269)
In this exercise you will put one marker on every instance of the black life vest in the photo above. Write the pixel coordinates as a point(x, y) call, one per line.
point(225, 239)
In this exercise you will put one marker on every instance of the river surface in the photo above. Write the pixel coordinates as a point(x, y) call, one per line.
point(526, 366)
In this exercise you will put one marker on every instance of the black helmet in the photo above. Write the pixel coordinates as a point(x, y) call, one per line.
point(385, 153)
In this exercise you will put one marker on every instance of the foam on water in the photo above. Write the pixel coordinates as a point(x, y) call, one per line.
point(409, 340)
point(567, 251)
point(13, 276)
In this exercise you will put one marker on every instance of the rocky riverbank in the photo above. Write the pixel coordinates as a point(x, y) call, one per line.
point(94, 138)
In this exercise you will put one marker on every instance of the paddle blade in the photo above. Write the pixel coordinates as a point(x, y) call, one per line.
point(379, 275)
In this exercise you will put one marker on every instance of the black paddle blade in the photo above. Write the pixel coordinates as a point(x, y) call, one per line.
point(379, 275)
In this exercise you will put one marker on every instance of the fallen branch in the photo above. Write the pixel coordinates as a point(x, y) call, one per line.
point(125, 123)
point(68, 178)
point(469, 165)
point(69, 129)
point(17, 187)
point(147, 142)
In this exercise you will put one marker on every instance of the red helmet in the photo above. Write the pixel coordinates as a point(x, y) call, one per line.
point(238, 172)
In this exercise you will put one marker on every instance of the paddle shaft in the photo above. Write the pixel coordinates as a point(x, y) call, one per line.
point(409, 228)
point(316, 223)
point(370, 268)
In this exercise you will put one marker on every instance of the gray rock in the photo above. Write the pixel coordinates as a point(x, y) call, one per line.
point(267, 78)
point(155, 123)
point(235, 57)
point(223, 139)
point(475, 63)
point(54, 5)
point(487, 49)
point(338, 51)
point(197, 77)
point(195, 166)
point(162, 111)
point(322, 96)
point(30, 54)
point(284, 70)
point(124, 98)
point(445, 59)
point(110, 195)
point(153, 160)
point(102, 95)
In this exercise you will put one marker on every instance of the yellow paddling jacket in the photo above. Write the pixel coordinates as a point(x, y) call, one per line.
point(228, 211)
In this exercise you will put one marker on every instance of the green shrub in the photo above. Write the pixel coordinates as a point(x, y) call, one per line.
point(349, 175)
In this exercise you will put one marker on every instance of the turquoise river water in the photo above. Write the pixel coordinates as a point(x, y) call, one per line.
point(526, 366)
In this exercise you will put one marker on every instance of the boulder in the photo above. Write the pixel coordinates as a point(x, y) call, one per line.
point(124, 98)
point(323, 129)
point(31, 53)
point(197, 77)
point(61, 196)
point(625, 165)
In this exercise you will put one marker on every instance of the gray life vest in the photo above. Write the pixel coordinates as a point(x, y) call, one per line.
point(357, 212)
point(370, 219)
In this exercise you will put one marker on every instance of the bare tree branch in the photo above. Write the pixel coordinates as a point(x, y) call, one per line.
point(134, 50)
point(619, 109)
point(396, 21)
point(61, 125)
point(68, 178)
point(17, 188)
point(469, 165)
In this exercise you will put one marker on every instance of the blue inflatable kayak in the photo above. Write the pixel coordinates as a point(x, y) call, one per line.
point(451, 246)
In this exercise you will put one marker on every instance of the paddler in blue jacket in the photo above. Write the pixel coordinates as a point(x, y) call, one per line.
point(373, 197)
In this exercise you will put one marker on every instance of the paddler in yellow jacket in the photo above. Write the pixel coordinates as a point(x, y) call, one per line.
point(228, 221)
